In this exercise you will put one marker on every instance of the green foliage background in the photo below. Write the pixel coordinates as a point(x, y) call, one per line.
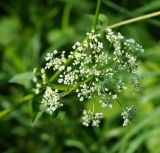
point(31, 28)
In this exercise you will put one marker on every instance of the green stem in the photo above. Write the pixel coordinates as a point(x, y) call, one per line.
point(65, 17)
point(139, 18)
point(60, 87)
point(97, 13)
point(20, 103)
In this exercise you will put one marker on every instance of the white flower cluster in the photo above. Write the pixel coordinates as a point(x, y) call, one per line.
point(50, 100)
point(90, 117)
point(127, 115)
point(95, 70)
point(85, 91)
point(55, 62)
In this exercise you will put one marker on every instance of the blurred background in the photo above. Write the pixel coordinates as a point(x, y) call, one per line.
point(31, 28)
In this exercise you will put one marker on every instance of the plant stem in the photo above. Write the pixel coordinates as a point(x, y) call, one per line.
point(21, 102)
point(60, 87)
point(97, 14)
point(139, 18)
point(65, 17)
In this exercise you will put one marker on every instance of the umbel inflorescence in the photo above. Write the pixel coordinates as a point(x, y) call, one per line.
point(96, 67)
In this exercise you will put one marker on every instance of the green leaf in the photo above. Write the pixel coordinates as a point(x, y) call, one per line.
point(77, 144)
point(23, 79)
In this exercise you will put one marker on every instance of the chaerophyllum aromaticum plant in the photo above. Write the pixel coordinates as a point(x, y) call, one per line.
point(101, 66)
point(97, 67)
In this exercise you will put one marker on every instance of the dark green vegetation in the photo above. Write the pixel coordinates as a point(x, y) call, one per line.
point(31, 28)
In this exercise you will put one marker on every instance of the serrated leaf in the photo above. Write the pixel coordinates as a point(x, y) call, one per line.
point(23, 79)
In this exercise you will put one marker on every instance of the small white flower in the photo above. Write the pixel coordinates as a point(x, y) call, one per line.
point(55, 52)
point(35, 80)
point(60, 80)
point(35, 70)
point(42, 70)
point(37, 91)
point(114, 97)
point(69, 68)
point(81, 99)
point(38, 85)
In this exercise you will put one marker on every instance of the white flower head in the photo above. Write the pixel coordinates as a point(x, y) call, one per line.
point(91, 117)
point(51, 100)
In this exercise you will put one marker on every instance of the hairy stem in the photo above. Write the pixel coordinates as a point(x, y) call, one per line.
point(97, 14)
